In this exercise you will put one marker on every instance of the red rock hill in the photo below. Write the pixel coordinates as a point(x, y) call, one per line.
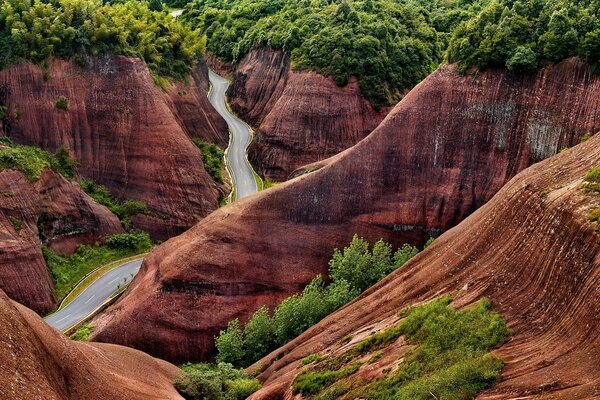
point(301, 117)
point(535, 256)
point(120, 128)
point(443, 152)
point(37, 362)
point(51, 212)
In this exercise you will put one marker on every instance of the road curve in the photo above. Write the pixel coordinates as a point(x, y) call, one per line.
point(240, 137)
point(94, 295)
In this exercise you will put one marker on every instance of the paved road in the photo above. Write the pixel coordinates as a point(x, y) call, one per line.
point(95, 294)
point(245, 184)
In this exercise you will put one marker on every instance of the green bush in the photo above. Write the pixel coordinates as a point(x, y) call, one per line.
point(37, 30)
point(593, 180)
point(351, 271)
point(15, 222)
point(215, 382)
point(124, 210)
point(3, 111)
point(67, 271)
point(517, 34)
point(389, 45)
point(66, 165)
point(32, 161)
point(450, 359)
point(62, 103)
point(212, 157)
point(82, 333)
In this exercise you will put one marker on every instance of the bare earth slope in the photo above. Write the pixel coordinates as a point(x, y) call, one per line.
point(51, 212)
point(121, 130)
point(301, 117)
point(444, 151)
point(536, 257)
point(37, 362)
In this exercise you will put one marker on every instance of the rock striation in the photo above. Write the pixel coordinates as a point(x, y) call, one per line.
point(535, 256)
point(442, 153)
point(120, 128)
point(50, 212)
point(37, 362)
point(300, 117)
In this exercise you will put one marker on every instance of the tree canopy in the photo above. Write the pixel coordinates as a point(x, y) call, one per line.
point(36, 30)
point(389, 45)
point(521, 34)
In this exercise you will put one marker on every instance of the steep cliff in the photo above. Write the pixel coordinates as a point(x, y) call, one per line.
point(118, 125)
point(51, 212)
point(40, 363)
point(300, 117)
point(443, 152)
point(532, 251)
point(189, 103)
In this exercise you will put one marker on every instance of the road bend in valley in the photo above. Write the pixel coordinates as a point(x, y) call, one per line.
point(240, 137)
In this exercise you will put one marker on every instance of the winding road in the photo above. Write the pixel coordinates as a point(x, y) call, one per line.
point(239, 139)
point(94, 296)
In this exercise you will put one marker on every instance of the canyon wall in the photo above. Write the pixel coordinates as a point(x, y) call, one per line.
point(300, 117)
point(50, 212)
point(120, 128)
point(535, 257)
point(38, 362)
point(443, 152)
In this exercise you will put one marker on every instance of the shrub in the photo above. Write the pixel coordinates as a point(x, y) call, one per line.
point(129, 241)
point(32, 161)
point(62, 103)
point(15, 222)
point(82, 333)
point(523, 59)
point(3, 111)
point(218, 382)
point(212, 157)
point(66, 165)
point(230, 344)
point(593, 179)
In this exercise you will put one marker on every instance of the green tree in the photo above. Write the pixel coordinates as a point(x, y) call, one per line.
point(230, 344)
point(523, 59)
point(155, 5)
point(259, 336)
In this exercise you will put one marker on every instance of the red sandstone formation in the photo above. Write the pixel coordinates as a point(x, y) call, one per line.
point(535, 256)
point(51, 212)
point(122, 132)
point(443, 152)
point(190, 105)
point(37, 362)
point(301, 117)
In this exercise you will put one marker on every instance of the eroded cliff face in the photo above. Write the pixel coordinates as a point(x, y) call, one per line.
point(40, 363)
point(443, 152)
point(536, 257)
point(300, 117)
point(122, 132)
point(50, 212)
point(189, 103)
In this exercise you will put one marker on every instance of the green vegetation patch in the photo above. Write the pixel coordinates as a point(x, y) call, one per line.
point(83, 333)
point(352, 271)
point(219, 382)
point(213, 159)
point(521, 34)
point(593, 180)
point(38, 30)
point(15, 222)
point(62, 103)
point(451, 359)
point(122, 209)
point(67, 271)
point(32, 161)
point(389, 45)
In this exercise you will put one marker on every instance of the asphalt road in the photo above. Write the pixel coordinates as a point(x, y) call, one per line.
point(94, 296)
point(245, 184)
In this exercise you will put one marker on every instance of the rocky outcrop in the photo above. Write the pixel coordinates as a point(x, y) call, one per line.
point(119, 127)
point(300, 117)
point(40, 363)
point(443, 152)
point(50, 212)
point(189, 103)
point(535, 256)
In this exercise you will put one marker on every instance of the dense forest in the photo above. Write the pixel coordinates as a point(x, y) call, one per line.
point(36, 30)
point(521, 34)
point(390, 45)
